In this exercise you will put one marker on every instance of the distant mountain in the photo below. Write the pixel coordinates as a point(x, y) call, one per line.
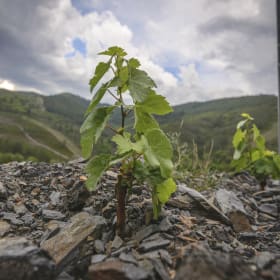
point(68, 105)
point(54, 121)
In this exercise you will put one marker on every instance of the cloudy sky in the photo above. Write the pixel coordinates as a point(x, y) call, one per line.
point(195, 50)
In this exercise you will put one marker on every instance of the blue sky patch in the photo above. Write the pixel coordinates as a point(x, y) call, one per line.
point(79, 46)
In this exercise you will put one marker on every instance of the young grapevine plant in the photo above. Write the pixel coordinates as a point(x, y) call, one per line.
point(143, 152)
point(251, 153)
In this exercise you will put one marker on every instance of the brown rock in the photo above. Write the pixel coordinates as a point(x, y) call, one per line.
point(72, 235)
point(4, 227)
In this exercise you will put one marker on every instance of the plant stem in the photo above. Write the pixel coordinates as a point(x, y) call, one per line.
point(121, 188)
point(120, 195)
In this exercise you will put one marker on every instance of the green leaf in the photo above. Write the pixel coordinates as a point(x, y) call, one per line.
point(139, 84)
point(155, 104)
point(256, 155)
point(241, 124)
point(97, 97)
point(100, 71)
point(115, 50)
point(237, 154)
point(143, 120)
point(125, 145)
point(123, 75)
point(95, 169)
point(165, 189)
point(158, 151)
point(86, 143)
point(238, 137)
point(92, 128)
point(247, 116)
point(133, 63)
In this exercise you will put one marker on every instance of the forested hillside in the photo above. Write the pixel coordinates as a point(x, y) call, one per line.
point(54, 121)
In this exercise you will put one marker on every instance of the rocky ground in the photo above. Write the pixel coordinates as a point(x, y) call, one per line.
point(51, 227)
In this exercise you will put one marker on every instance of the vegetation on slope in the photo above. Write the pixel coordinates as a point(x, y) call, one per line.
point(202, 121)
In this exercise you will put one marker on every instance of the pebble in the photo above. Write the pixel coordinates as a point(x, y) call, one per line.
point(52, 215)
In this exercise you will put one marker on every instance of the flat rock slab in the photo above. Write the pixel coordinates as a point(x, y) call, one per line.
point(204, 203)
point(117, 270)
point(21, 260)
point(72, 235)
point(233, 208)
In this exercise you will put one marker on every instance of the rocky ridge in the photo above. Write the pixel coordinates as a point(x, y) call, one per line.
point(51, 227)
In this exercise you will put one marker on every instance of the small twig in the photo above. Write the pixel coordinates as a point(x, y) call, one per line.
point(112, 94)
point(113, 129)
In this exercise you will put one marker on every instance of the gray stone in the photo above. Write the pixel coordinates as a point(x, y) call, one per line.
point(3, 191)
point(117, 242)
point(264, 259)
point(55, 198)
point(98, 258)
point(154, 245)
point(145, 232)
point(4, 228)
point(99, 246)
point(12, 218)
point(159, 254)
point(232, 207)
point(165, 225)
point(64, 276)
point(228, 201)
point(27, 219)
point(20, 208)
point(127, 258)
point(204, 203)
point(72, 235)
point(203, 263)
point(271, 209)
point(21, 260)
point(117, 270)
point(52, 215)
point(160, 270)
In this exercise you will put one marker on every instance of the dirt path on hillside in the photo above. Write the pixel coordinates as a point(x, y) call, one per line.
point(58, 135)
point(37, 143)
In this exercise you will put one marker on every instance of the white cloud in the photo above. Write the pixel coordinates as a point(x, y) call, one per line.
point(7, 85)
point(216, 48)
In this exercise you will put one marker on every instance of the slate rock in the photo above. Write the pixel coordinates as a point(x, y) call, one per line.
point(72, 235)
point(99, 246)
point(154, 245)
point(146, 232)
point(98, 258)
point(127, 258)
point(117, 270)
point(64, 276)
point(117, 242)
point(204, 264)
point(12, 218)
point(4, 228)
point(233, 208)
point(77, 196)
point(271, 209)
point(206, 205)
point(3, 191)
point(21, 260)
point(52, 215)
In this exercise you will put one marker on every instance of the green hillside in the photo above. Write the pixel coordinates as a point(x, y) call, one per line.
point(28, 131)
point(216, 120)
point(54, 121)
